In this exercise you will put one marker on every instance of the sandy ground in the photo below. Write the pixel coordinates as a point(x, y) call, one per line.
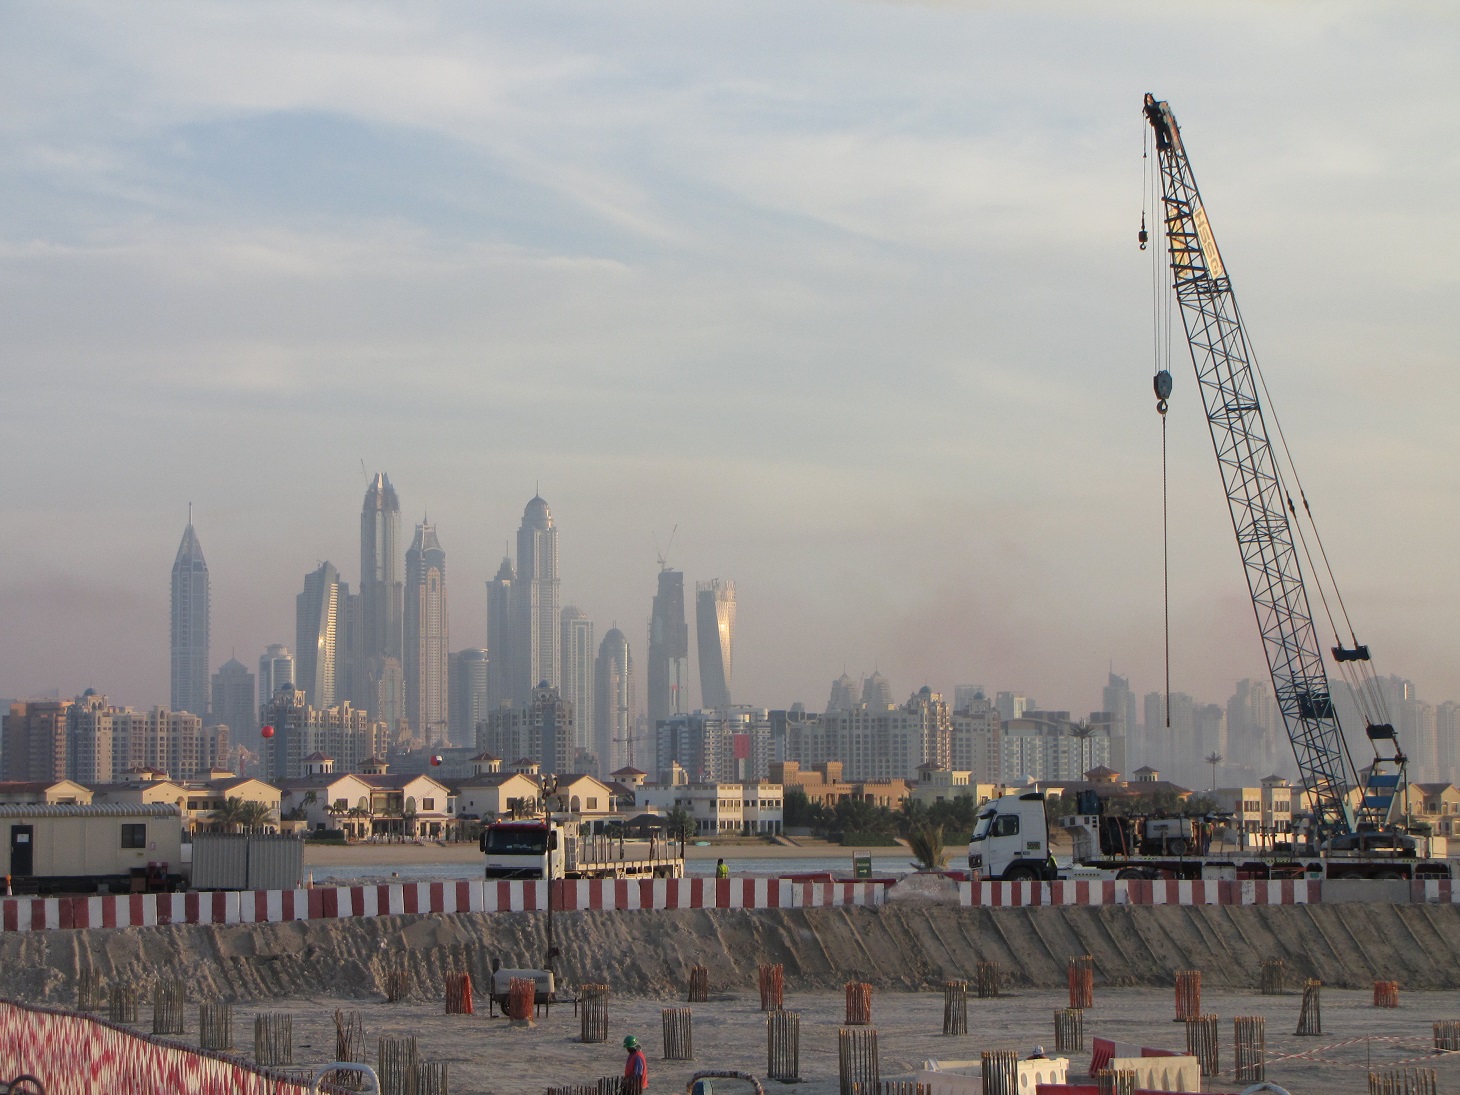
point(370, 855)
point(488, 1055)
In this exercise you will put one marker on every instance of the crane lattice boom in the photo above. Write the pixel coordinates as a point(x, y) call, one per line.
point(1255, 494)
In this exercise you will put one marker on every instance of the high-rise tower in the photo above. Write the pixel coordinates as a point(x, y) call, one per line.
point(715, 631)
point(614, 704)
point(190, 611)
point(578, 653)
point(317, 612)
point(381, 591)
point(500, 677)
point(668, 649)
point(536, 640)
point(276, 668)
point(426, 654)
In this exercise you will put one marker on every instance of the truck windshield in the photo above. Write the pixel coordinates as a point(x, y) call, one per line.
point(981, 830)
point(503, 841)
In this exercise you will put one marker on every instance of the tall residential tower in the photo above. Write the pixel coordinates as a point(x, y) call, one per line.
point(535, 646)
point(426, 655)
point(668, 649)
point(190, 619)
point(715, 630)
point(381, 602)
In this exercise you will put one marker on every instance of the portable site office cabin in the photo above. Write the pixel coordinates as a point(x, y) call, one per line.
point(81, 849)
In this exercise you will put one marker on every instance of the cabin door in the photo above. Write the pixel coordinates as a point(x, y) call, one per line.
point(22, 850)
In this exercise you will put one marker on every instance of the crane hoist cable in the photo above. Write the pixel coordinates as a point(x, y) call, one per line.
point(1161, 383)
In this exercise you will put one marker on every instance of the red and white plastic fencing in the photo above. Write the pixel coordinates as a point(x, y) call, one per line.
point(78, 1055)
point(334, 902)
point(1141, 892)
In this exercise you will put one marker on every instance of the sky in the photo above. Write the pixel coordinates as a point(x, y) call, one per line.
point(846, 293)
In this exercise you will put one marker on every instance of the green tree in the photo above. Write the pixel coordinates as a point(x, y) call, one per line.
point(681, 824)
point(926, 844)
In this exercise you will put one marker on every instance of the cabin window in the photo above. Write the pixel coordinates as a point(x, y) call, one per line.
point(134, 836)
point(1006, 825)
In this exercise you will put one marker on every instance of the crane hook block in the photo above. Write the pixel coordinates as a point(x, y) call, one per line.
point(1162, 384)
point(1142, 235)
point(1359, 653)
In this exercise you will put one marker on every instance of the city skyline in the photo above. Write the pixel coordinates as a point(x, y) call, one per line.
point(907, 261)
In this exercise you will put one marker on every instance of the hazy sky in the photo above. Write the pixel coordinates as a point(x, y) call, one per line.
point(848, 291)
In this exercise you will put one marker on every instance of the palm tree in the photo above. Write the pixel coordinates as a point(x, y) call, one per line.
point(1214, 759)
point(925, 841)
point(254, 815)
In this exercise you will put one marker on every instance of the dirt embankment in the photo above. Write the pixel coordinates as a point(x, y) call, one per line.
point(902, 946)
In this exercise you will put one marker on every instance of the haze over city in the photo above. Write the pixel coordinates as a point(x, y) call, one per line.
point(846, 293)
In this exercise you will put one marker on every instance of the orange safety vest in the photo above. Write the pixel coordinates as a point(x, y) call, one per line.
point(636, 1068)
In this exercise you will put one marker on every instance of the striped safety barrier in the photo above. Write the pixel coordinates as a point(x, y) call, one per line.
point(333, 902)
point(78, 1055)
point(1140, 892)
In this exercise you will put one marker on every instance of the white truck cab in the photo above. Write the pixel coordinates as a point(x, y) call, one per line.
point(1011, 840)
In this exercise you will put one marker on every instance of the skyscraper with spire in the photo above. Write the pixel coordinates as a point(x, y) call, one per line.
point(190, 623)
point(535, 654)
point(426, 653)
point(382, 596)
point(715, 632)
point(668, 649)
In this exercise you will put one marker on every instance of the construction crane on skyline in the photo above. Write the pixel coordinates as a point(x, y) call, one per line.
point(1265, 517)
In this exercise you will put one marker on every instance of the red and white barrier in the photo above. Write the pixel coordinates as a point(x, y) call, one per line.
point(78, 1055)
point(334, 902)
point(1140, 892)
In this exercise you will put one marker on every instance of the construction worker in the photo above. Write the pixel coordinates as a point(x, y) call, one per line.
point(636, 1068)
point(722, 869)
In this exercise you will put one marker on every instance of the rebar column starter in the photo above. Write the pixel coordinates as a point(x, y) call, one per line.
point(169, 1001)
point(1310, 1018)
point(593, 1013)
point(1249, 1047)
point(772, 987)
point(89, 996)
point(955, 1007)
point(1403, 1081)
point(986, 980)
point(458, 994)
point(521, 995)
point(1447, 1034)
point(1069, 1030)
point(699, 984)
point(396, 1065)
point(121, 1004)
point(678, 1034)
point(856, 1052)
point(431, 1078)
point(1201, 1043)
point(1188, 995)
point(783, 1045)
point(1274, 977)
point(1386, 994)
point(273, 1038)
point(859, 1004)
point(350, 1047)
point(1082, 981)
point(1116, 1081)
point(397, 986)
point(215, 1025)
point(1000, 1071)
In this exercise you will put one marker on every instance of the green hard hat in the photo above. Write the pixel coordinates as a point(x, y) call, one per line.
point(631, 1042)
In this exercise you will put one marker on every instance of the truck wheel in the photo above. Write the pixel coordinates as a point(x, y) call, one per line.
point(1020, 874)
point(1177, 845)
point(1137, 873)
